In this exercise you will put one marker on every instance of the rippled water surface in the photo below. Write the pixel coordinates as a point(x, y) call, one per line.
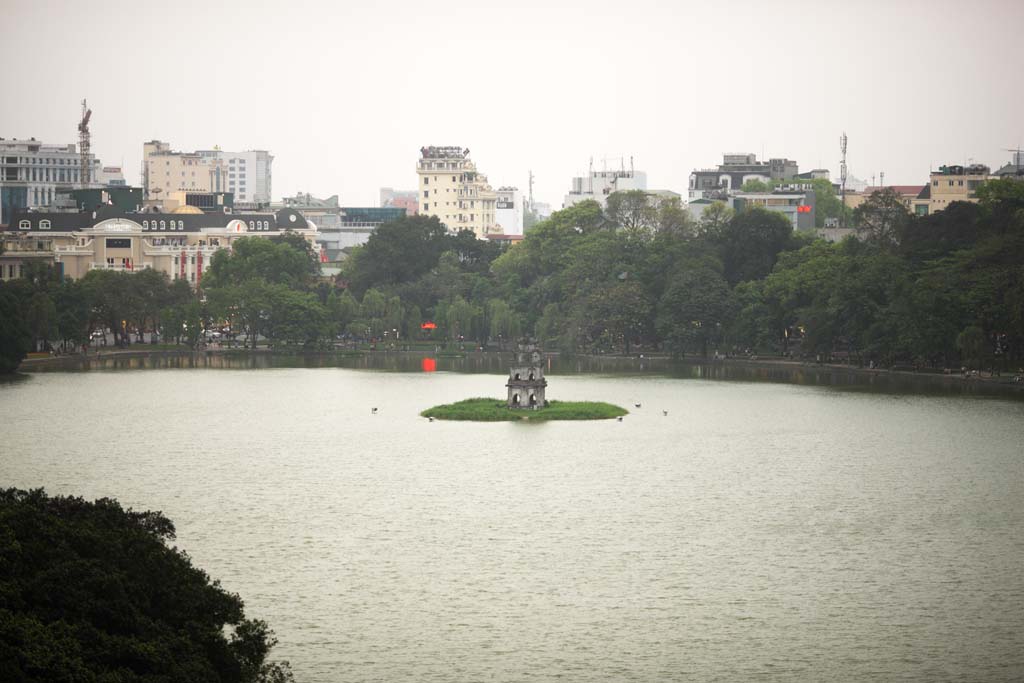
point(757, 532)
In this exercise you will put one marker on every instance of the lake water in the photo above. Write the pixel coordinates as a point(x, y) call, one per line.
point(759, 531)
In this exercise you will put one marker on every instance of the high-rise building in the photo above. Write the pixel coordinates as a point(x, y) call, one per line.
point(451, 188)
point(249, 175)
point(510, 210)
point(32, 173)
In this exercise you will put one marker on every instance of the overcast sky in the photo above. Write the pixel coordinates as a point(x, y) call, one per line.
point(345, 93)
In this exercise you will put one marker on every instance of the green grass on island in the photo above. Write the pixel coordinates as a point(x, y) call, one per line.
point(495, 410)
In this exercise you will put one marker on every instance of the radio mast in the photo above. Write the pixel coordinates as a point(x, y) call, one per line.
point(842, 178)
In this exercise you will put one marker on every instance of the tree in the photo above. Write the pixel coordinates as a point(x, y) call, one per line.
point(631, 210)
point(15, 337)
point(93, 592)
point(882, 218)
point(694, 310)
point(755, 185)
point(714, 220)
point(751, 242)
point(971, 343)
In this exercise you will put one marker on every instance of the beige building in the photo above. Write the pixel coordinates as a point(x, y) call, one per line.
point(912, 196)
point(451, 188)
point(955, 184)
point(165, 171)
point(180, 244)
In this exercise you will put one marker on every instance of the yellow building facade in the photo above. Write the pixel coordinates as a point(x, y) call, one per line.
point(451, 188)
point(179, 244)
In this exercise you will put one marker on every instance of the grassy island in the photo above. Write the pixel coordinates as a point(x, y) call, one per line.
point(495, 410)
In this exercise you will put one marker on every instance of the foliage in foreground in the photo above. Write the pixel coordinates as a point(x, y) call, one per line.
point(91, 592)
point(495, 410)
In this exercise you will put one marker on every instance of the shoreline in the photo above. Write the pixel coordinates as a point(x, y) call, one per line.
point(775, 369)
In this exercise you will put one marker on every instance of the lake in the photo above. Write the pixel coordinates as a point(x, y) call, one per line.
point(758, 531)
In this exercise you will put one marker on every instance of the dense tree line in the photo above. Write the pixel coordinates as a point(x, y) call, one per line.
point(940, 290)
point(90, 591)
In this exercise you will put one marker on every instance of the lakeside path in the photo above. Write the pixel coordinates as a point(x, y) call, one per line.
point(755, 369)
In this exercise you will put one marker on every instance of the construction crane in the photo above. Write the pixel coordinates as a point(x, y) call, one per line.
point(84, 144)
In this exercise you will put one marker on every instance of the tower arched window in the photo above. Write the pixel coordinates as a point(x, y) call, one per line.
point(163, 225)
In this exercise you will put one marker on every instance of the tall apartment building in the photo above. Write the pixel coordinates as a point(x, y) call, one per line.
point(451, 188)
point(247, 175)
point(32, 173)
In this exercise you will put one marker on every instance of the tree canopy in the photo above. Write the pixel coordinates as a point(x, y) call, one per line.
point(90, 591)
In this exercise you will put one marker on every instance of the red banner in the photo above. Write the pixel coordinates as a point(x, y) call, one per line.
point(199, 267)
point(183, 258)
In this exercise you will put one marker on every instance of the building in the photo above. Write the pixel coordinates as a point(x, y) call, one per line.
point(33, 172)
point(325, 213)
point(510, 210)
point(597, 185)
point(451, 188)
point(180, 243)
point(1014, 169)
point(249, 175)
point(955, 184)
point(796, 201)
point(165, 171)
point(400, 199)
point(735, 170)
point(913, 197)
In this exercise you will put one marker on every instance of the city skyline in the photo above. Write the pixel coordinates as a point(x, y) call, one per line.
point(558, 86)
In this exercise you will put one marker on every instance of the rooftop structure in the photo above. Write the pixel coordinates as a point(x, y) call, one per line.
point(735, 170)
point(33, 172)
point(597, 185)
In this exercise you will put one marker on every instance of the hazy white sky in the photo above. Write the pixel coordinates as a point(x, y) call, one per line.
point(345, 93)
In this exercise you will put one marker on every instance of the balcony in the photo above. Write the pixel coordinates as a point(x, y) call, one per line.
point(135, 267)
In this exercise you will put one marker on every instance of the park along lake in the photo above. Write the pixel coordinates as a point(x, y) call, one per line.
point(812, 529)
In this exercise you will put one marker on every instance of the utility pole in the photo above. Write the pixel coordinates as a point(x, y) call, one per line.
point(842, 178)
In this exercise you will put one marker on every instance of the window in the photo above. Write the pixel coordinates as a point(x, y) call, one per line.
point(252, 226)
point(426, 180)
point(44, 225)
point(960, 183)
point(163, 226)
point(145, 225)
point(426, 193)
point(181, 225)
point(935, 183)
point(24, 225)
point(426, 206)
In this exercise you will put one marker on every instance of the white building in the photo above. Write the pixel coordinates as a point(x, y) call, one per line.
point(249, 174)
point(599, 184)
point(510, 209)
point(451, 188)
point(31, 173)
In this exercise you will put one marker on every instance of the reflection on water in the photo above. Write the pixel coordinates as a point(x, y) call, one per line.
point(851, 379)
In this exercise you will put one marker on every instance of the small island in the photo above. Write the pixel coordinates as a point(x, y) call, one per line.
point(526, 387)
point(496, 410)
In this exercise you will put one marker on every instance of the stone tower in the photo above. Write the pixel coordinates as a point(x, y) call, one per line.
point(526, 381)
